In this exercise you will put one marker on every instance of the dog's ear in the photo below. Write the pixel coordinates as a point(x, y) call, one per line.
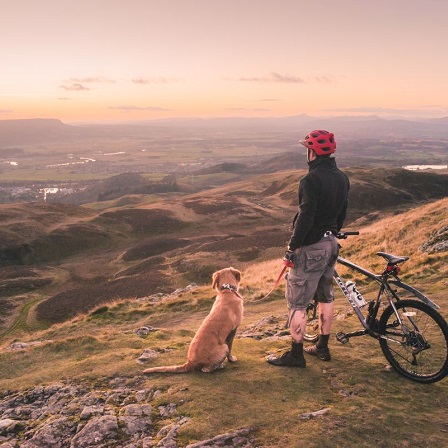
point(215, 279)
point(236, 274)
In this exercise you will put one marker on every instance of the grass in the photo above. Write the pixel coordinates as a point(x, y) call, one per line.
point(369, 404)
point(365, 399)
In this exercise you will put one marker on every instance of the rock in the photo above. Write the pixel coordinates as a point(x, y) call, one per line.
point(96, 433)
point(270, 328)
point(18, 346)
point(168, 410)
point(308, 415)
point(238, 438)
point(7, 425)
point(438, 242)
point(147, 355)
point(9, 444)
point(135, 425)
point(54, 433)
point(144, 331)
point(169, 432)
point(142, 395)
point(138, 410)
point(24, 345)
point(88, 411)
point(160, 296)
point(112, 415)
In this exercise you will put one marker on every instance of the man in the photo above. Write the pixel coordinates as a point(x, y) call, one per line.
point(313, 247)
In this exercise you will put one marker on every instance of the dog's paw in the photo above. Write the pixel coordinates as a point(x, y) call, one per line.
point(232, 358)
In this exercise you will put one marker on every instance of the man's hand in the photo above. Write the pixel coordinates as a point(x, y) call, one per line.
point(288, 259)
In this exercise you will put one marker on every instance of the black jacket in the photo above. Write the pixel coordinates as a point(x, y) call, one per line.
point(323, 195)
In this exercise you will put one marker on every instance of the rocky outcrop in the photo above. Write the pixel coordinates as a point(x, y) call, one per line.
point(269, 328)
point(438, 242)
point(115, 414)
point(81, 415)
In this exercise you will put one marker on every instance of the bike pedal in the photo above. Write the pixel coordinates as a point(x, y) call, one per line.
point(342, 338)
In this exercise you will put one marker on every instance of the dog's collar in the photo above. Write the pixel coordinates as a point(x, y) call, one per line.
point(229, 287)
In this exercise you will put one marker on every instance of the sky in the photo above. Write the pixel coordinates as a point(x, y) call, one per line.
point(107, 61)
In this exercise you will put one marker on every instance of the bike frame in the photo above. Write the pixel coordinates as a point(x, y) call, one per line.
point(385, 287)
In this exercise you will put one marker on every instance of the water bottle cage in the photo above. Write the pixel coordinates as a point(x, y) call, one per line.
point(356, 296)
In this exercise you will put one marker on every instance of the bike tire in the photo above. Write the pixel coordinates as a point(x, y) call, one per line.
point(312, 323)
point(420, 352)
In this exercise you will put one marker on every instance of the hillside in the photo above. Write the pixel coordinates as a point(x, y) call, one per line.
point(66, 259)
point(85, 373)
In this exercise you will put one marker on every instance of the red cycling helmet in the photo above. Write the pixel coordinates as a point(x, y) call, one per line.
point(321, 142)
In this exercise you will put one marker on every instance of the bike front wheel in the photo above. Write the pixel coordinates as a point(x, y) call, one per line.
point(415, 342)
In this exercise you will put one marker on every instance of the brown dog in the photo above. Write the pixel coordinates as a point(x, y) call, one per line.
point(212, 344)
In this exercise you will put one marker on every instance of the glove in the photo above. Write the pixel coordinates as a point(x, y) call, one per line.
point(288, 259)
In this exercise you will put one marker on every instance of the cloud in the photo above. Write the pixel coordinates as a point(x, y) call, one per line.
point(6, 111)
point(77, 84)
point(267, 100)
point(275, 77)
point(64, 98)
point(323, 79)
point(239, 109)
point(158, 80)
point(90, 80)
point(74, 87)
point(136, 108)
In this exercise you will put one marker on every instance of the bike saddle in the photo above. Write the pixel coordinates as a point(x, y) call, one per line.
point(392, 259)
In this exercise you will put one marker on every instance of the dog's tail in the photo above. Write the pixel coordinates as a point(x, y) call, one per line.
point(184, 368)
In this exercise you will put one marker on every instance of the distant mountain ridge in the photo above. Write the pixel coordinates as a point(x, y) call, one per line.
point(22, 132)
point(35, 131)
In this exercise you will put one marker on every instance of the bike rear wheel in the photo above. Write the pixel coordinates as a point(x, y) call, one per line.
point(312, 323)
point(417, 348)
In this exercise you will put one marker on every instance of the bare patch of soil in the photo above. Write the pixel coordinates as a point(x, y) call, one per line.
point(68, 304)
point(153, 247)
point(261, 239)
point(210, 206)
point(142, 268)
point(21, 285)
point(7, 308)
point(146, 220)
point(10, 272)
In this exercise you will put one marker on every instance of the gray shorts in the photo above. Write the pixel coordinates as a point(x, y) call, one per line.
point(312, 275)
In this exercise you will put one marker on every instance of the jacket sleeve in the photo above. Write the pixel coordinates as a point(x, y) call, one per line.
point(309, 191)
point(342, 216)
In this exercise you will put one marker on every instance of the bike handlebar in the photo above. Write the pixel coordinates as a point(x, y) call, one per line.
point(345, 234)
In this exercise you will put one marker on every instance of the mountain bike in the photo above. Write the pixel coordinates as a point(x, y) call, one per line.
point(413, 336)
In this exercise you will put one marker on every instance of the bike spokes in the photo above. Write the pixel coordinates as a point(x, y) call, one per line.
point(416, 342)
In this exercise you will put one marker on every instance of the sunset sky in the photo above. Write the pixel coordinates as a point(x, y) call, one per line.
point(124, 60)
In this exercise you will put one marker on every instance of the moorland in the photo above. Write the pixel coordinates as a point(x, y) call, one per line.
point(130, 240)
